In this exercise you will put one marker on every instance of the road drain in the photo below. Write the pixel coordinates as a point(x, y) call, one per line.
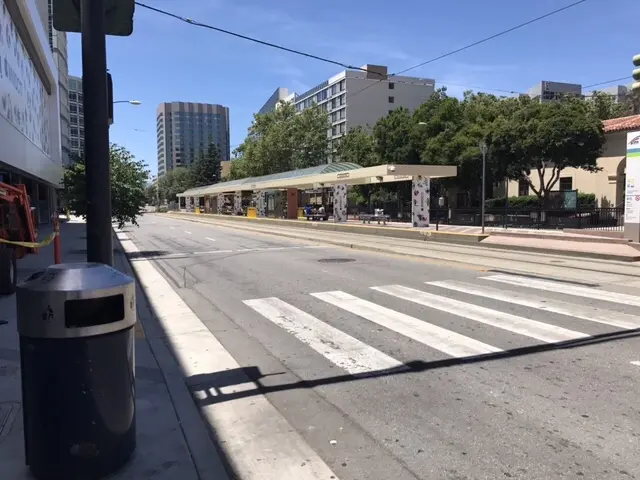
point(336, 260)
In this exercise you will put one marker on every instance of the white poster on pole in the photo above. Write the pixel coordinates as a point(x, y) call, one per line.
point(632, 179)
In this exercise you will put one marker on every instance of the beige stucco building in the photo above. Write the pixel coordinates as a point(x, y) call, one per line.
point(608, 184)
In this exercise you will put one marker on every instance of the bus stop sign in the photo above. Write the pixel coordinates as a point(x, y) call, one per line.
point(118, 15)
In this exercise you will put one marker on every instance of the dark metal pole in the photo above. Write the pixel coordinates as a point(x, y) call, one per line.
point(96, 132)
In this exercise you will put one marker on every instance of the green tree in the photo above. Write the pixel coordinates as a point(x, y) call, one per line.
point(393, 138)
point(282, 140)
point(151, 194)
point(604, 106)
point(128, 186)
point(206, 169)
point(357, 146)
point(172, 183)
point(543, 139)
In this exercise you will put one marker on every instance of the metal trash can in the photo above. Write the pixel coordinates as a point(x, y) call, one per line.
point(76, 325)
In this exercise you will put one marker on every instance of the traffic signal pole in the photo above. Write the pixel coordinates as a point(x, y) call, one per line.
point(96, 131)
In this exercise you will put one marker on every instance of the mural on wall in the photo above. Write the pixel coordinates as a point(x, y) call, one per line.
point(220, 204)
point(420, 193)
point(339, 203)
point(237, 203)
point(23, 99)
point(261, 205)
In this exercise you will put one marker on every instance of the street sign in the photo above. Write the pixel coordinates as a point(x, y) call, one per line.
point(118, 16)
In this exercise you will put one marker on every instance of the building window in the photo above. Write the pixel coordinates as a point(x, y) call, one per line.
point(566, 183)
point(392, 99)
point(392, 85)
point(523, 188)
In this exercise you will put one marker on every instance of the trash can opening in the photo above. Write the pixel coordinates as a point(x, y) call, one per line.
point(91, 312)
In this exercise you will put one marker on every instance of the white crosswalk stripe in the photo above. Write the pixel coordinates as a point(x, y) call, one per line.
point(566, 289)
point(356, 357)
point(584, 312)
point(336, 346)
point(506, 321)
point(441, 339)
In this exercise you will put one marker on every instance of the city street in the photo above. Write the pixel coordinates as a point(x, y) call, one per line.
point(395, 368)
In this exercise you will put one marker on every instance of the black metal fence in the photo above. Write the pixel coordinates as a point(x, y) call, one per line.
point(611, 219)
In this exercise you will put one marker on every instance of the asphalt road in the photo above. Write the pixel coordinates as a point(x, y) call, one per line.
point(488, 395)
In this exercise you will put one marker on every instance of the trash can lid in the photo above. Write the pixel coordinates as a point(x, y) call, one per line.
point(75, 277)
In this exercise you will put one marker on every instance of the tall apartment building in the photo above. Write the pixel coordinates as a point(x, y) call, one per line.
point(545, 91)
point(185, 129)
point(76, 116)
point(280, 95)
point(360, 98)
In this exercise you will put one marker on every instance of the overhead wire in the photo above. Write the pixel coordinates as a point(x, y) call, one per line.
point(479, 42)
point(391, 77)
point(248, 38)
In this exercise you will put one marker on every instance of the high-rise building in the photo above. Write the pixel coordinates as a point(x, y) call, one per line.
point(550, 91)
point(30, 109)
point(618, 93)
point(358, 98)
point(280, 95)
point(76, 116)
point(186, 129)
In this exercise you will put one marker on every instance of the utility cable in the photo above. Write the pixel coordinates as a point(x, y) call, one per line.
point(481, 41)
point(250, 39)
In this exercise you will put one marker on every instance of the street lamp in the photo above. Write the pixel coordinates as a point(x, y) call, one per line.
point(131, 102)
point(483, 150)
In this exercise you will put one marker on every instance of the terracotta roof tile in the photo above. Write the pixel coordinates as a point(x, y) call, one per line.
point(621, 124)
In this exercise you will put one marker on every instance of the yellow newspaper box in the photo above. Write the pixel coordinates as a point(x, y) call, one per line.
point(252, 212)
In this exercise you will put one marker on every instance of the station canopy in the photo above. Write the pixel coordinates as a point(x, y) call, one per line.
point(339, 173)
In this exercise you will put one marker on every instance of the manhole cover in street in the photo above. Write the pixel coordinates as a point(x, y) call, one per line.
point(8, 413)
point(336, 260)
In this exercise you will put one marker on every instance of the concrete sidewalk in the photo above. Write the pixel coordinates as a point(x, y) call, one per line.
point(173, 440)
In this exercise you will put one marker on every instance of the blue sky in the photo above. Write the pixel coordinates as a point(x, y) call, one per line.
point(167, 60)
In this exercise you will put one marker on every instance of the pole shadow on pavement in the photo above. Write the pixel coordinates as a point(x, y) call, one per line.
point(213, 385)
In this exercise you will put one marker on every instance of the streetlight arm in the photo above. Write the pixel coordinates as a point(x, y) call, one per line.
point(131, 102)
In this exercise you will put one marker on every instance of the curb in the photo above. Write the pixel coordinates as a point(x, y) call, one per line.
point(198, 442)
point(568, 238)
point(568, 253)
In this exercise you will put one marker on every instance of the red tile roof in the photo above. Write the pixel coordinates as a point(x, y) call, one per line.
point(621, 124)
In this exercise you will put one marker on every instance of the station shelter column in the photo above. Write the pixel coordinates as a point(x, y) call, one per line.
point(339, 203)
point(259, 197)
point(420, 201)
point(220, 203)
point(237, 202)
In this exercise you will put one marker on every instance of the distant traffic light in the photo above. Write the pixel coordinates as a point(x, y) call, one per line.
point(636, 73)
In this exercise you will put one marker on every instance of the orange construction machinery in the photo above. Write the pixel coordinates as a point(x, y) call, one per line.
point(17, 230)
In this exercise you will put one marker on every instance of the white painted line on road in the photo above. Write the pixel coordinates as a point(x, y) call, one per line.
point(566, 289)
point(336, 346)
point(187, 232)
point(260, 443)
point(636, 363)
point(438, 338)
point(506, 321)
point(172, 228)
point(210, 239)
point(584, 312)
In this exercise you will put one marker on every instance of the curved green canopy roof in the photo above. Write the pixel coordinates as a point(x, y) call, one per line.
point(292, 174)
